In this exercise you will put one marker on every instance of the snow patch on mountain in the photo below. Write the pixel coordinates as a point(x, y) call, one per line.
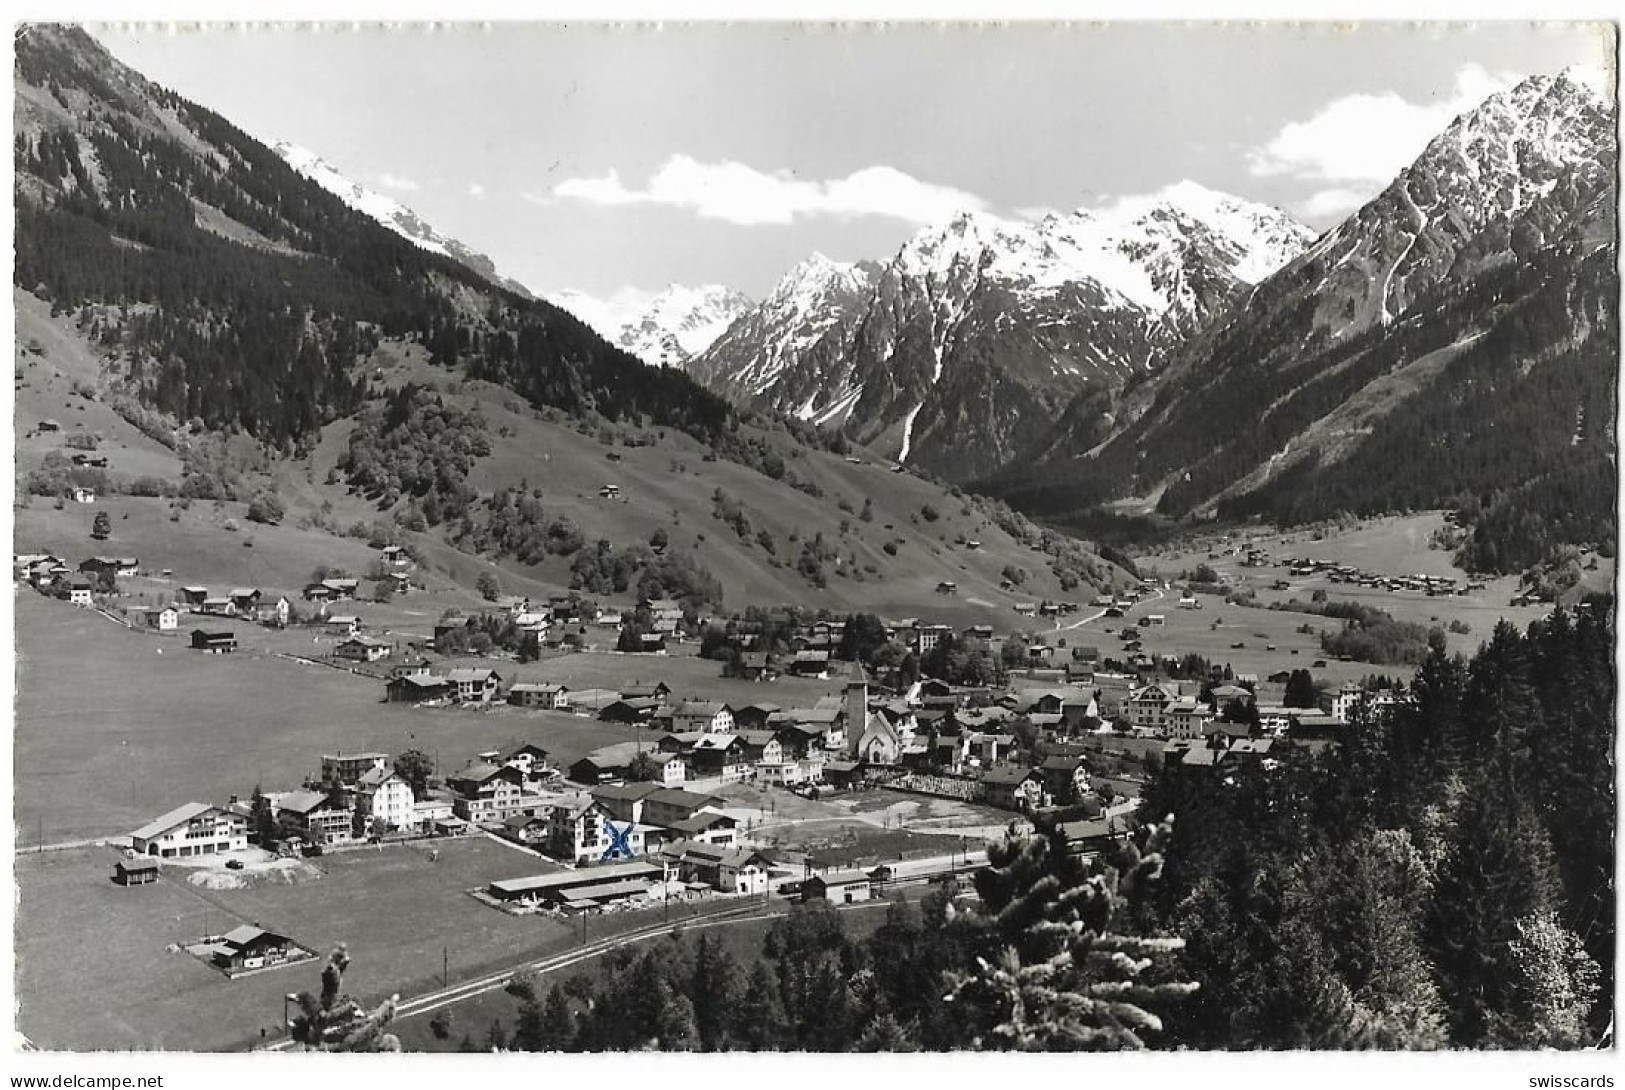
point(666, 328)
point(386, 210)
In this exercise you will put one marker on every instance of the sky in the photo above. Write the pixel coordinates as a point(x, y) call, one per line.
point(612, 160)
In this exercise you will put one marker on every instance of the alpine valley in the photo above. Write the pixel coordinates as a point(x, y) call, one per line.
point(1192, 355)
point(229, 322)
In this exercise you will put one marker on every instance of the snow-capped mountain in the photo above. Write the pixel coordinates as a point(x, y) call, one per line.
point(389, 212)
point(978, 333)
point(769, 347)
point(666, 329)
point(1442, 341)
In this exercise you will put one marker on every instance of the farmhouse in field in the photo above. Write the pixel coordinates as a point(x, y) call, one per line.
point(248, 947)
point(362, 649)
point(135, 872)
point(215, 643)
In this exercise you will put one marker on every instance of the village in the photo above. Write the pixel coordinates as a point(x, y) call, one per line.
point(636, 757)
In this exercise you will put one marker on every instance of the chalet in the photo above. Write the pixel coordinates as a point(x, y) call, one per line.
point(215, 643)
point(810, 664)
point(395, 555)
point(609, 492)
point(837, 887)
point(761, 747)
point(317, 817)
point(651, 643)
point(194, 829)
point(217, 606)
point(702, 715)
point(49, 425)
point(1092, 836)
point(526, 828)
point(595, 770)
point(329, 590)
point(362, 649)
point(719, 754)
point(248, 947)
point(80, 592)
point(624, 802)
point(658, 691)
point(84, 495)
point(1013, 787)
point(415, 688)
point(756, 666)
point(135, 872)
point(637, 709)
point(487, 794)
point(244, 600)
point(194, 596)
point(673, 769)
point(947, 587)
point(475, 684)
point(1066, 778)
point(1316, 727)
point(705, 827)
point(550, 696)
point(115, 565)
point(664, 806)
point(726, 870)
point(531, 760)
point(164, 619)
point(343, 625)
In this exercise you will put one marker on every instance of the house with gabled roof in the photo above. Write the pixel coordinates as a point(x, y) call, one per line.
point(318, 817)
point(248, 947)
point(197, 828)
point(383, 797)
point(362, 649)
point(1147, 707)
point(706, 715)
point(1014, 787)
point(474, 684)
point(719, 754)
point(486, 793)
point(550, 696)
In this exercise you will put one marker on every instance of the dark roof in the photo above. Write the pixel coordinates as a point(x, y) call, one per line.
point(1010, 774)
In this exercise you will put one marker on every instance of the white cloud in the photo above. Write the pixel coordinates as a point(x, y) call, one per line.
point(1370, 138)
point(1330, 203)
point(475, 189)
point(1035, 213)
point(395, 181)
point(741, 194)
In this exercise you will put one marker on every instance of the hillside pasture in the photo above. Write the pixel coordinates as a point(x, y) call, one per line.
point(128, 733)
point(402, 916)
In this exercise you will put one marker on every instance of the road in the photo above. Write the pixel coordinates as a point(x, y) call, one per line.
point(445, 997)
point(1096, 616)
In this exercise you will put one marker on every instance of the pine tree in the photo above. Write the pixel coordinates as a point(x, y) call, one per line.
point(1497, 870)
point(334, 1022)
point(101, 527)
point(1057, 971)
point(715, 988)
point(761, 1020)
